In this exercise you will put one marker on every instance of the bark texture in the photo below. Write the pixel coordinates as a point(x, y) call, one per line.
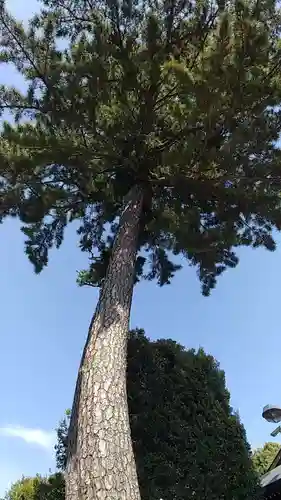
point(101, 463)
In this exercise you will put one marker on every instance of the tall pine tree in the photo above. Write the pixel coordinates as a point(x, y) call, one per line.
point(153, 124)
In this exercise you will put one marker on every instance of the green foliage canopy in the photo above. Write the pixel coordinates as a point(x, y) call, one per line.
point(61, 445)
point(178, 97)
point(263, 457)
point(187, 440)
point(38, 488)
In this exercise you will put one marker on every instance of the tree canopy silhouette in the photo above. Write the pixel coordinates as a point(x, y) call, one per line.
point(153, 125)
point(178, 98)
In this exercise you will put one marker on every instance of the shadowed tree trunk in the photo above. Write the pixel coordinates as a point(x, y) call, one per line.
point(100, 461)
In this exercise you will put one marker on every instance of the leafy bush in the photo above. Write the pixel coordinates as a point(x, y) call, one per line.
point(263, 457)
point(38, 488)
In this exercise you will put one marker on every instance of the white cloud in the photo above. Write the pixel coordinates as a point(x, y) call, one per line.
point(40, 437)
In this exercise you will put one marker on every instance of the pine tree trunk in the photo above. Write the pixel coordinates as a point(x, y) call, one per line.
point(101, 463)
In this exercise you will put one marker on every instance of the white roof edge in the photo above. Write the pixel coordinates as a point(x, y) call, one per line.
point(271, 477)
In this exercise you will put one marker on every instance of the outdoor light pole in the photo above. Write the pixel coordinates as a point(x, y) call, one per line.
point(272, 413)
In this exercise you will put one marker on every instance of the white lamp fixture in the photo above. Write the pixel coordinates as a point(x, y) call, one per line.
point(272, 413)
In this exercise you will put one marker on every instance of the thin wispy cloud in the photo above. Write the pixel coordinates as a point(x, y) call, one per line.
point(40, 437)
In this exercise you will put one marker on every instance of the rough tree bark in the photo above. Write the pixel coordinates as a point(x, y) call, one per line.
point(101, 463)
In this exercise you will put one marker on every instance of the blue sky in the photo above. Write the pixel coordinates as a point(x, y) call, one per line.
point(44, 321)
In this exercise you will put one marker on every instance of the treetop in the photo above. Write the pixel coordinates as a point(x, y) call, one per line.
point(181, 98)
